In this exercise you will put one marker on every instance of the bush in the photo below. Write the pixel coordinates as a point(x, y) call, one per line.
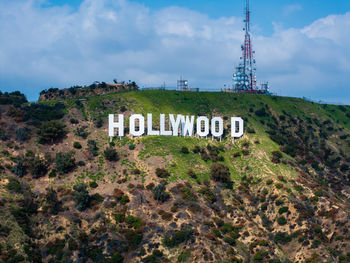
point(117, 258)
point(65, 162)
point(93, 184)
point(159, 193)
point(81, 196)
point(276, 157)
point(82, 132)
point(162, 173)
point(282, 210)
point(99, 122)
point(111, 154)
point(77, 145)
point(37, 167)
point(92, 147)
point(178, 237)
point(14, 185)
point(73, 121)
point(53, 173)
point(282, 238)
point(184, 150)
point(20, 168)
point(131, 147)
point(220, 173)
point(282, 221)
point(196, 149)
point(134, 222)
point(54, 205)
point(23, 134)
point(51, 131)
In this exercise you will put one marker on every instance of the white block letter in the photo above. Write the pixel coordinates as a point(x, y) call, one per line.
point(150, 131)
point(220, 122)
point(234, 132)
point(113, 125)
point(175, 124)
point(188, 126)
point(132, 125)
point(200, 120)
point(162, 126)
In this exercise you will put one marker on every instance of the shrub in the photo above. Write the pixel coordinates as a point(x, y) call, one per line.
point(54, 205)
point(269, 181)
point(111, 154)
point(53, 173)
point(82, 132)
point(73, 121)
point(276, 157)
point(117, 258)
point(23, 134)
point(159, 193)
point(14, 185)
point(184, 150)
point(282, 221)
point(282, 210)
point(65, 162)
point(178, 237)
point(92, 147)
point(134, 222)
point(99, 122)
point(37, 167)
point(196, 149)
point(77, 145)
point(220, 173)
point(51, 131)
point(162, 173)
point(93, 184)
point(279, 186)
point(20, 168)
point(192, 174)
point(81, 196)
point(282, 238)
point(131, 147)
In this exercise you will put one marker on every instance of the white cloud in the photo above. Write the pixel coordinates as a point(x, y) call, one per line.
point(105, 39)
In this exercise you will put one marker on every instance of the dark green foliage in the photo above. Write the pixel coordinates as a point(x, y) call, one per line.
point(3, 135)
point(260, 255)
point(16, 98)
point(131, 147)
point(20, 168)
point(92, 147)
point(162, 173)
point(44, 112)
point(155, 257)
point(159, 193)
point(14, 185)
point(37, 167)
point(208, 194)
point(51, 131)
point(111, 154)
point(53, 204)
point(99, 122)
point(93, 184)
point(196, 149)
point(282, 221)
point(282, 238)
point(73, 121)
point(134, 238)
point(82, 132)
point(53, 173)
point(23, 134)
point(220, 173)
point(184, 150)
point(65, 162)
point(81, 196)
point(77, 145)
point(178, 237)
point(282, 210)
point(134, 222)
point(276, 156)
point(117, 258)
point(261, 113)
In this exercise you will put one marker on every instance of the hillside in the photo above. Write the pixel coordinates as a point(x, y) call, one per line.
point(281, 193)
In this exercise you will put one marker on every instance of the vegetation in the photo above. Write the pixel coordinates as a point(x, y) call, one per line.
point(51, 132)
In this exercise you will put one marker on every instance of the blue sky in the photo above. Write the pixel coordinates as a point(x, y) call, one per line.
point(301, 46)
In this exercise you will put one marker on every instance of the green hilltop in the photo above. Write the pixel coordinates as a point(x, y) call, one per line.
point(278, 194)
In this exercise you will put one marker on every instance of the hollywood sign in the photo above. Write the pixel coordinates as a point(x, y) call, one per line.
point(178, 126)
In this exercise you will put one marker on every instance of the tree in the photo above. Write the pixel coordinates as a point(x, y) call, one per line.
point(22, 134)
point(20, 169)
point(65, 162)
point(111, 154)
point(92, 147)
point(51, 131)
point(81, 196)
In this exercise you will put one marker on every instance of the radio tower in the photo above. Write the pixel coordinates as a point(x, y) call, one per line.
point(245, 76)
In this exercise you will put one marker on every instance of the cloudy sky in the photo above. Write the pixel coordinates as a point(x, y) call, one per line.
point(302, 47)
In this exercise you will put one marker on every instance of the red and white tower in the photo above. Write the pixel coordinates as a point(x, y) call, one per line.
point(245, 76)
